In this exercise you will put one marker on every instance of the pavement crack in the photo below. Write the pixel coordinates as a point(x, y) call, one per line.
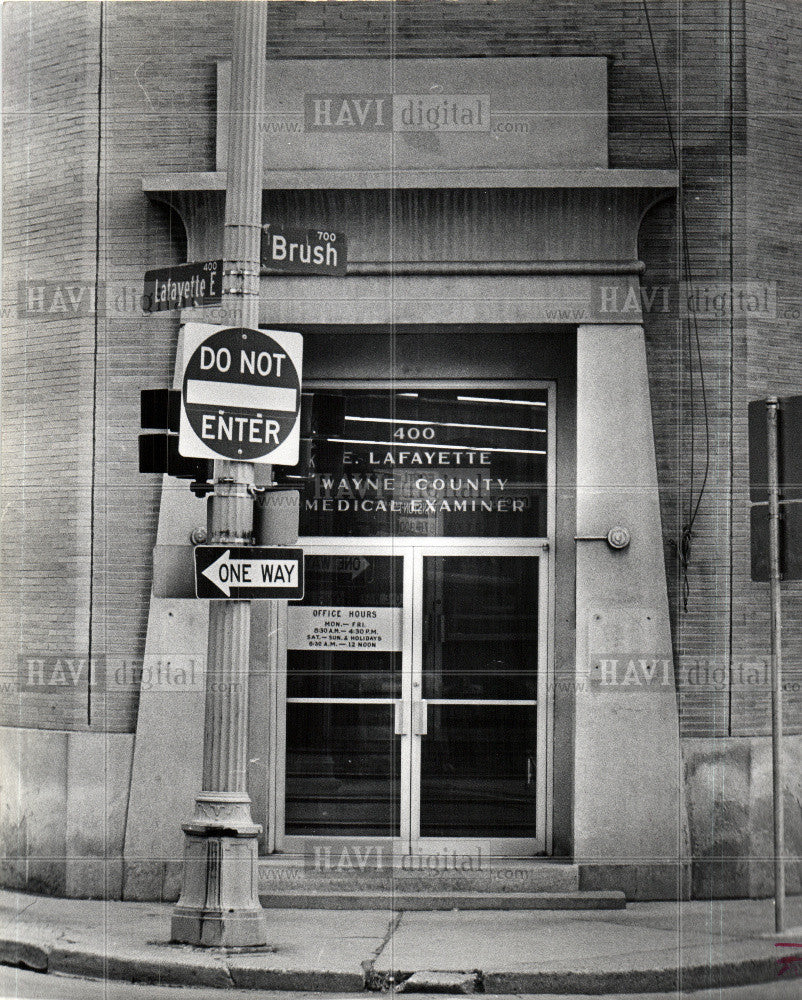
point(16, 914)
point(227, 970)
point(379, 982)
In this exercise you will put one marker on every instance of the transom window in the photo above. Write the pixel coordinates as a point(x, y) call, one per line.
point(427, 462)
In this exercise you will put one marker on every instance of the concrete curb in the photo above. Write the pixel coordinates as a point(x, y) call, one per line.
point(23, 954)
point(192, 967)
point(186, 967)
point(300, 980)
point(666, 980)
point(204, 971)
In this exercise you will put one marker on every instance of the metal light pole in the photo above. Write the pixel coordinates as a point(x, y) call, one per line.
point(773, 406)
point(219, 904)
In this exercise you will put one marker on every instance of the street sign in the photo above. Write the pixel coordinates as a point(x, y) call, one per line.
point(789, 473)
point(249, 573)
point(790, 541)
point(199, 283)
point(241, 394)
point(789, 454)
point(310, 251)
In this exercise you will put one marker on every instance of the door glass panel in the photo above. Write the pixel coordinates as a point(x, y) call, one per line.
point(344, 643)
point(478, 771)
point(344, 638)
point(472, 769)
point(357, 580)
point(343, 675)
point(343, 770)
point(480, 621)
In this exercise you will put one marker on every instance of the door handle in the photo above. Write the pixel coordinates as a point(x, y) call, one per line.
point(420, 720)
point(400, 723)
point(530, 771)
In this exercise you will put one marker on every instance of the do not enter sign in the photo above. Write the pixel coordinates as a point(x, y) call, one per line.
point(241, 394)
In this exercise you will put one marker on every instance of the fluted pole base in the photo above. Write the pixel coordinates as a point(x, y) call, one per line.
point(219, 905)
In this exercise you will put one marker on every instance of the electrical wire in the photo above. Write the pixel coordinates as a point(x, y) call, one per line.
point(694, 344)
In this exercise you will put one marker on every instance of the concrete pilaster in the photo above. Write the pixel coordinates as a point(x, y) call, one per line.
point(629, 804)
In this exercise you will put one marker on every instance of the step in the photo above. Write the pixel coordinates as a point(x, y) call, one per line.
point(301, 899)
point(457, 873)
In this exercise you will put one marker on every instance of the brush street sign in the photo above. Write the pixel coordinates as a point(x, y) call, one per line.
point(241, 394)
point(310, 251)
point(249, 573)
point(199, 283)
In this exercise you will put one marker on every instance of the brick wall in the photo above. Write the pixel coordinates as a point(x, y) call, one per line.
point(157, 115)
point(773, 363)
point(49, 179)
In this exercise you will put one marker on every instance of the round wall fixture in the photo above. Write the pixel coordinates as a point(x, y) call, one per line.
point(618, 538)
point(198, 536)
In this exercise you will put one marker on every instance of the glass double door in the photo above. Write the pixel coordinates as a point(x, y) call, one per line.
point(415, 698)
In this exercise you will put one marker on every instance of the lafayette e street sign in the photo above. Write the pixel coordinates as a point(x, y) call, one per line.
point(199, 283)
point(249, 573)
point(241, 394)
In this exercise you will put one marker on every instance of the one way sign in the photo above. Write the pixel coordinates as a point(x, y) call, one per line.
point(249, 573)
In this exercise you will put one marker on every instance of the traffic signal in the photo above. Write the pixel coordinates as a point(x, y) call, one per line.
point(322, 416)
point(160, 409)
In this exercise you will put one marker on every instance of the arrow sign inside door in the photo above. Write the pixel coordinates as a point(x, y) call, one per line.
point(249, 573)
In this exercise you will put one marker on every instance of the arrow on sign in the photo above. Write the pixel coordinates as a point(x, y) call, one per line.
point(226, 573)
point(352, 566)
point(358, 567)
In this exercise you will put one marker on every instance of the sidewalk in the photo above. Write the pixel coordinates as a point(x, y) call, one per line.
point(646, 947)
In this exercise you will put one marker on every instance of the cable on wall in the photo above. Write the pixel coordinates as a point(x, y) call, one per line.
point(694, 347)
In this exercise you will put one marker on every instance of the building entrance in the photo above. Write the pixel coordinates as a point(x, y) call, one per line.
point(416, 696)
point(415, 693)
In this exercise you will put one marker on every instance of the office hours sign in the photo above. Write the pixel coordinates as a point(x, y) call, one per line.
point(241, 394)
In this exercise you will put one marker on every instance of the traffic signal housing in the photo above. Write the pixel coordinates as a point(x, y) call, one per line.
point(160, 410)
point(322, 416)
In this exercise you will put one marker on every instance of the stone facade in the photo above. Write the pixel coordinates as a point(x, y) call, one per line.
point(128, 90)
